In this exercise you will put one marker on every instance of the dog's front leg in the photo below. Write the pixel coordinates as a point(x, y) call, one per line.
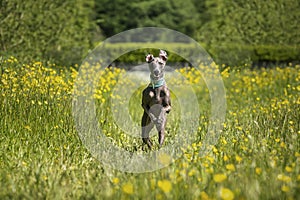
point(160, 126)
point(147, 125)
point(151, 115)
point(157, 95)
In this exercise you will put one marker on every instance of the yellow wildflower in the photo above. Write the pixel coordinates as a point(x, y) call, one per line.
point(288, 169)
point(225, 158)
point(238, 158)
point(282, 144)
point(128, 188)
point(258, 170)
point(204, 196)
point(115, 180)
point(230, 167)
point(28, 128)
point(226, 194)
point(165, 185)
point(192, 172)
point(284, 178)
point(285, 188)
point(219, 178)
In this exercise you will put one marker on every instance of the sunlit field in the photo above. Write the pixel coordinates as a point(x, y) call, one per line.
point(257, 155)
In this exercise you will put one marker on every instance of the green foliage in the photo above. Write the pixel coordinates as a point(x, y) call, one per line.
point(233, 32)
point(138, 55)
point(118, 15)
point(254, 30)
point(114, 16)
point(58, 31)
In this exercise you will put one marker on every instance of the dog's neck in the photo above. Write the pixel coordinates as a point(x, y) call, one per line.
point(158, 83)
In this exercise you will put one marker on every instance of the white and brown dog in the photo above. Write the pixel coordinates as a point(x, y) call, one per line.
point(156, 100)
point(158, 83)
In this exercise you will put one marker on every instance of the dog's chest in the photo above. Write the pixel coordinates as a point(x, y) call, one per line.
point(157, 92)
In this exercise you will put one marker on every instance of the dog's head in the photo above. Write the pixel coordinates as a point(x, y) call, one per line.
point(157, 64)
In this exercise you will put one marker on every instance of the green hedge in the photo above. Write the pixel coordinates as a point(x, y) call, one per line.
point(248, 54)
point(228, 54)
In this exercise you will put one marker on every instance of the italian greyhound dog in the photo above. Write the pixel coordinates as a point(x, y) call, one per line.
point(156, 100)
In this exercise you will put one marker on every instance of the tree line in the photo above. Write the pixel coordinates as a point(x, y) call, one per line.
point(233, 32)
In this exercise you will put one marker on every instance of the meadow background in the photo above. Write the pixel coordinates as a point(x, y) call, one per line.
point(256, 47)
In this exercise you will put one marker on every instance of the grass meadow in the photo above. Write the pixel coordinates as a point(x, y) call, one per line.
point(257, 156)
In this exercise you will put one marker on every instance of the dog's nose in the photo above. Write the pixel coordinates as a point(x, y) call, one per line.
point(156, 72)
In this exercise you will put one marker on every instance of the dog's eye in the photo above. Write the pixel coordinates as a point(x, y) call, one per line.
point(160, 63)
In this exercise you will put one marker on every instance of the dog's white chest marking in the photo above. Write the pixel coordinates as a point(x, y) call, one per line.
point(151, 94)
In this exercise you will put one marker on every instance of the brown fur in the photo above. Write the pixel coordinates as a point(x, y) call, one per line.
point(154, 102)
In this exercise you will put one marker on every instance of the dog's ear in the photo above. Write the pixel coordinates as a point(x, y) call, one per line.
point(163, 55)
point(149, 58)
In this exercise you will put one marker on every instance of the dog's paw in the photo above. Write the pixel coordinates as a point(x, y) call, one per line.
point(167, 109)
point(159, 121)
point(156, 120)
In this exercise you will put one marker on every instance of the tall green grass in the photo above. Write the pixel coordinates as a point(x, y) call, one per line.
point(256, 157)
